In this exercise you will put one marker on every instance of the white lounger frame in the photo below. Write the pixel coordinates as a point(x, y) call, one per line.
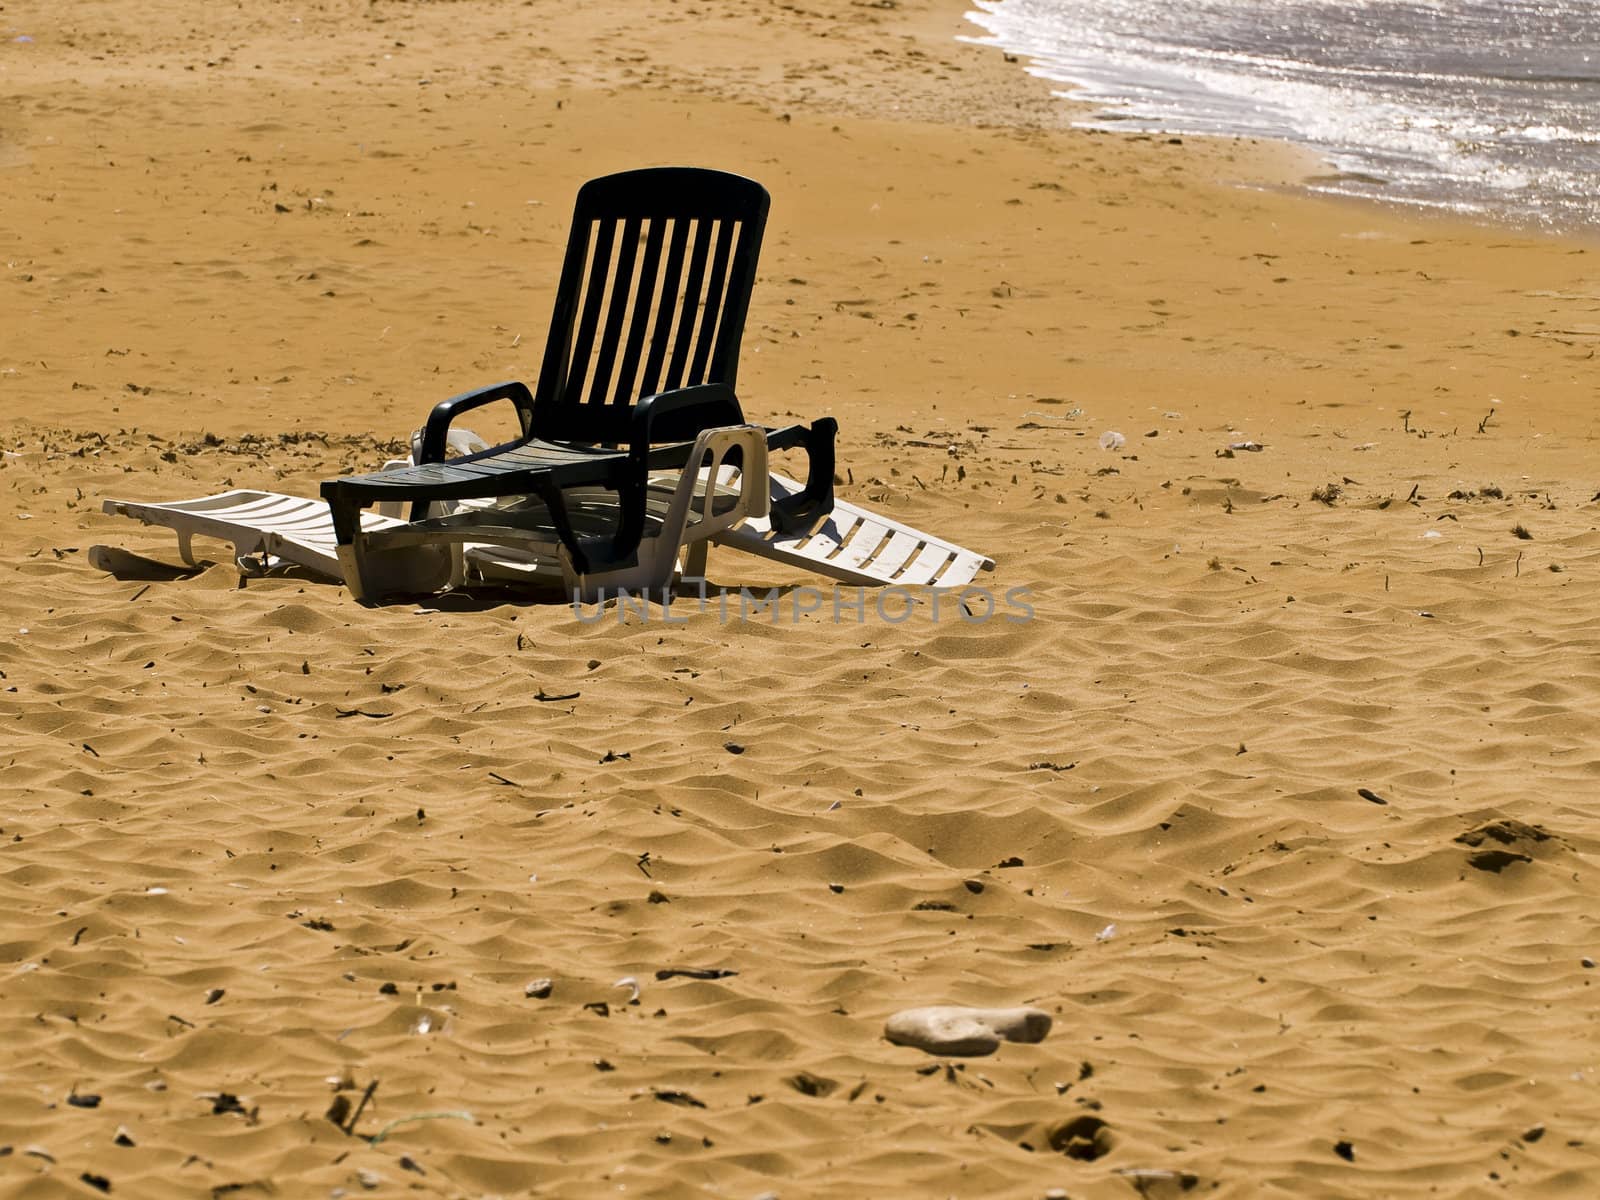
point(496, 544)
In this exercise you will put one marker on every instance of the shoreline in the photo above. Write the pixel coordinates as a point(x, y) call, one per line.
point(1328, 173)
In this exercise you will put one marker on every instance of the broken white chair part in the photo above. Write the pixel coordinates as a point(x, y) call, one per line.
point(854, 545)
point(263, 526)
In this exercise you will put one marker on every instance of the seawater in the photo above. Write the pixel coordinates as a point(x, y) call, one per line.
point(1484, 107)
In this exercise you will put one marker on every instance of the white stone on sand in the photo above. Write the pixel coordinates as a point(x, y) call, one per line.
point(957, 1030)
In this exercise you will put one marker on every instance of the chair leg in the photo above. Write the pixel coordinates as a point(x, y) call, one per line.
point(694, 559)
point(648, 574)
point(350, 565)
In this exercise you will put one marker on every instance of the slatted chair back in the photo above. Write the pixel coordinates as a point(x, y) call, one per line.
point(653, 296)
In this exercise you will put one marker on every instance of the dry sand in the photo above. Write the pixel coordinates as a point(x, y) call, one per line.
point(260, 843)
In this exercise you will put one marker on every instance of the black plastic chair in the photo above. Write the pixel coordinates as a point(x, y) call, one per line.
point(642, 357)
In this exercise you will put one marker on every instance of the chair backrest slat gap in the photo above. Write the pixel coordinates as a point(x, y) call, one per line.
point(602, 234)
point(671, 307)
point(716, 288)
point(683, 343)
point(741, 281)
point(646, 308)
point(616, 311)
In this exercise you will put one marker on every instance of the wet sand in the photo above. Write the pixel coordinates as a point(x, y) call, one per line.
point(1280, 804)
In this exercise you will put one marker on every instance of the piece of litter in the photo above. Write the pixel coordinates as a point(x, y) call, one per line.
point(965, 1032)
point(1433, 533)
point(1106, 934)
point(155, 891)
point(1251, 446)
point(628, 981)
point(1112, 440)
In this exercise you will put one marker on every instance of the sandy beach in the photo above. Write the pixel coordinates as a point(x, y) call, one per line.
point(1280, 804)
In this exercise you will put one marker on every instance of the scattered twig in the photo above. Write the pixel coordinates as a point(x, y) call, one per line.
point(695, 972)
point(350, 1125)
point(431, 1116)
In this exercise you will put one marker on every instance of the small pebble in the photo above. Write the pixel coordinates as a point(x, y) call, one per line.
point(540, 989)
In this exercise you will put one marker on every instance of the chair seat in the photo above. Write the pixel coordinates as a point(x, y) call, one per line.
point(565, 466)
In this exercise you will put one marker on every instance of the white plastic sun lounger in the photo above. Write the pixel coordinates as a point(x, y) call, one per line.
point(261, 525)
point(481, 542)
point(268, 529)
point(510, 543)
point(852, 544)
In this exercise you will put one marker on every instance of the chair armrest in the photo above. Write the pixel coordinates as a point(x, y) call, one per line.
point(794, 513)
point(680, 415)
point(746, 445)
point(437, 429)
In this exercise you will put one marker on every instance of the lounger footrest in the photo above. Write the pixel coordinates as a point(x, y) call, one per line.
point(854, 545)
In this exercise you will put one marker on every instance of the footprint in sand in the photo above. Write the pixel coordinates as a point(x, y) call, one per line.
point(1497, 845)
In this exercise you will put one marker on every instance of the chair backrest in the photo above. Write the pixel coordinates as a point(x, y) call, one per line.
point(653, 296)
